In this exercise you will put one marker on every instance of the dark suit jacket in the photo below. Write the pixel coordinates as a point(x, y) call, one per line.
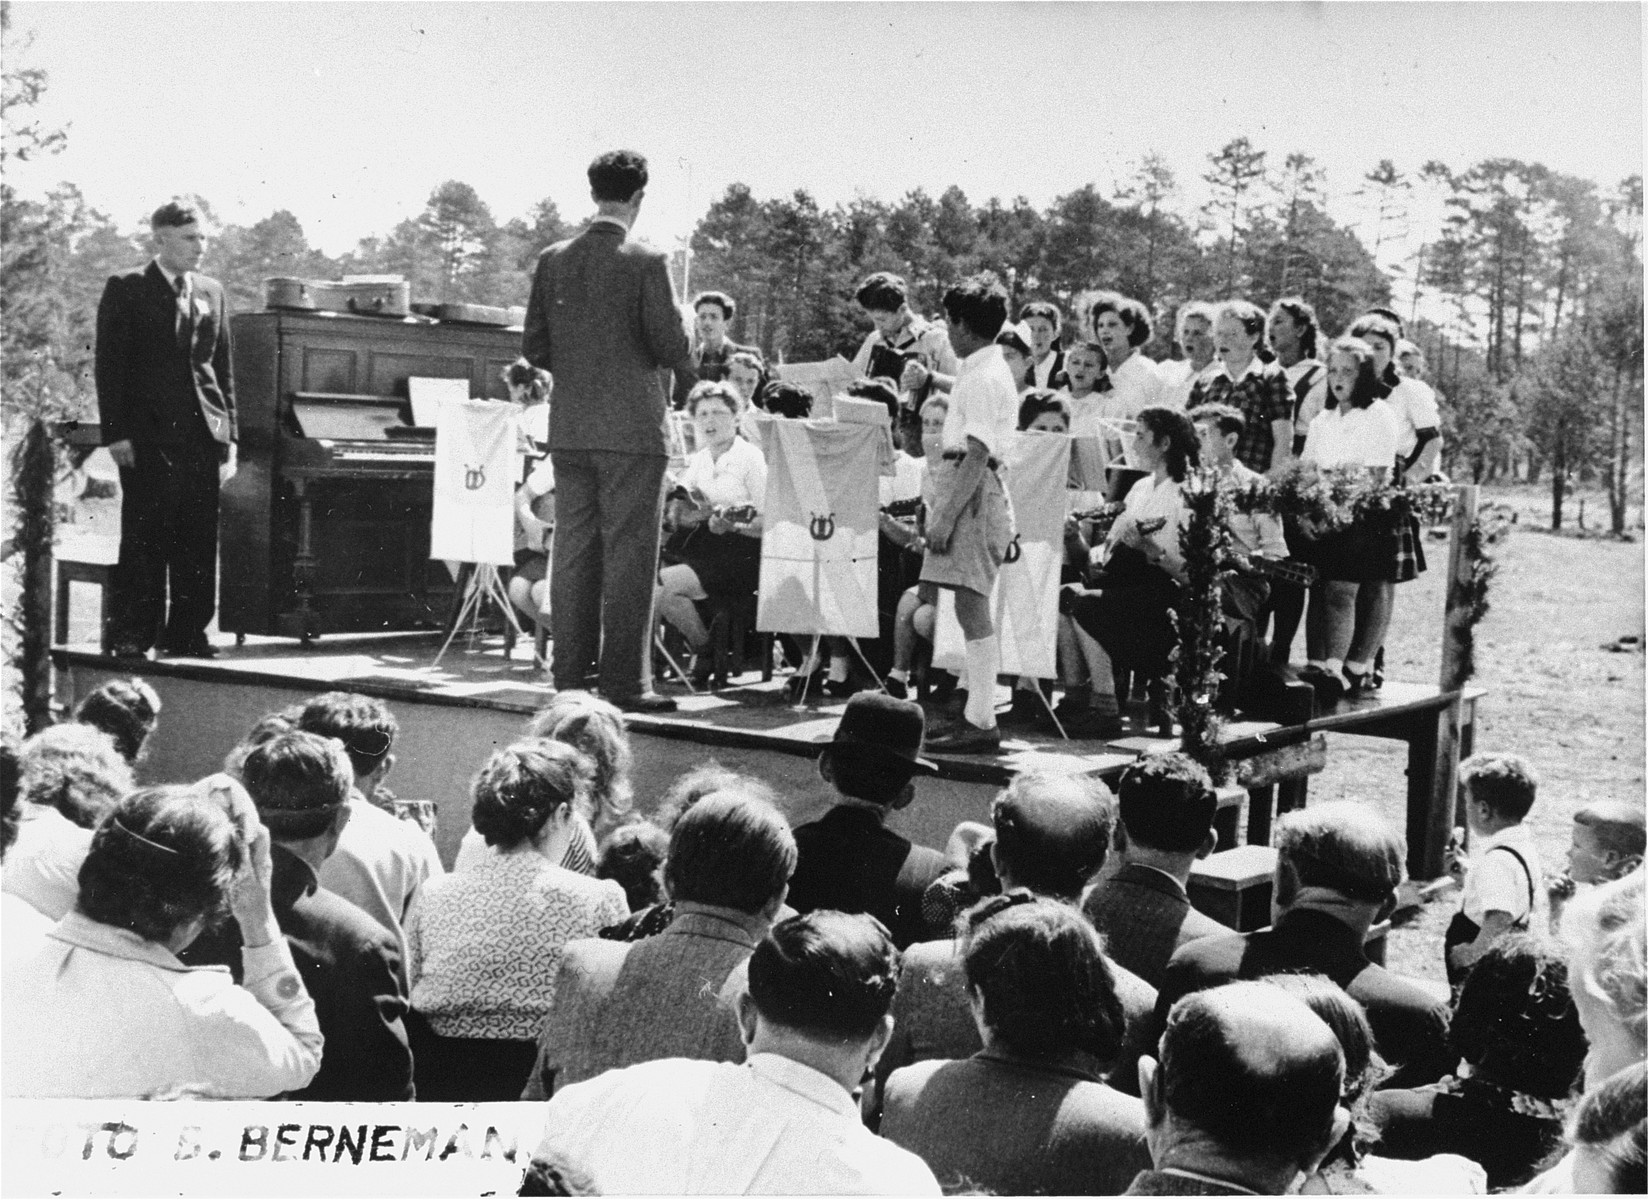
point(1011, 1128)
point(668, 996)
point(1145, 916)
point(352, 968)
point(1411, 1027)
point(1056, 375)
point(848, 860)
point(931, 1017)
point(149, 388)
point(602, 319)
point(1162, 1183)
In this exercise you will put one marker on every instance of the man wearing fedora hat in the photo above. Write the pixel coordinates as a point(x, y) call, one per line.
point(848, 859)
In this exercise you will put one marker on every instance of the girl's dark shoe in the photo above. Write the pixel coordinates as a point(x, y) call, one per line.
point(1356, 682)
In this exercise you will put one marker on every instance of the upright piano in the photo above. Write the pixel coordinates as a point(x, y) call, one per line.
point(325, 526)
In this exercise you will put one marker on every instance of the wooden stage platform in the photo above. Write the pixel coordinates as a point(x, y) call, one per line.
point(453, 714)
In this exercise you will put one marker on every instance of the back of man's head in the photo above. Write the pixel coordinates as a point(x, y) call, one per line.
point(298, 782)
point(1342, 846)
point(363, 724)
point(174, 214)
point(1253, 1070)
point(827, 975)
point(617, 175)
point(732, 850)
point(1167, 803)
point(1052, 832)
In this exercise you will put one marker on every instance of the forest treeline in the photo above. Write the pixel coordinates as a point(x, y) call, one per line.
point(1539, 356)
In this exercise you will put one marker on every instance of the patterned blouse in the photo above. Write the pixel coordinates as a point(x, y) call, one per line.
point(1261, 394)
point(486, 942)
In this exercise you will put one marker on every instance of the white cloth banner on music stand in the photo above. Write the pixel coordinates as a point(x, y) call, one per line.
point(1025, 601)
point(477, 454)
point(819, 522)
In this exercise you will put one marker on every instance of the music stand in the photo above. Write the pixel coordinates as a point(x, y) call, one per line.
point(483, 585)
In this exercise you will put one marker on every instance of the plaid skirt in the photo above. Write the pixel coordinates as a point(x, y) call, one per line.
point(1380, 548)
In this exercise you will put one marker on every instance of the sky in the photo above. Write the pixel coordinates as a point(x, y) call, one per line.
point(349, 114)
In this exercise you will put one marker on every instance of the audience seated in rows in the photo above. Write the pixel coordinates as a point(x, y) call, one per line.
point(1609, 980)
point(673, 996)
point(1165, 809)
point(1516, 1030)
point(1349, 1169)
point(1051, 835)
point(69, 777)
point(848, 859)
point(688, 789)
point(163, 865)
point(381, 862)
point(782, 1122)
point(300, 784)
point(1338, 867)
point(1243, 1095)
point(486, 941)
point(594, 726)
point(125, 709)
point(1608, 1135)
point(1029, 1113)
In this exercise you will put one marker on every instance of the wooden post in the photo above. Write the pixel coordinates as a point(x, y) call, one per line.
point(1426, 860)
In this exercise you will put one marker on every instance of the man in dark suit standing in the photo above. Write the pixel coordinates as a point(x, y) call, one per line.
point(602, 319)
point(166, 402)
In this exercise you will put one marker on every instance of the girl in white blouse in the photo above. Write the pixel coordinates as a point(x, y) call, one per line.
point(1357, 567)
point(1128, 618)
point(721, 555)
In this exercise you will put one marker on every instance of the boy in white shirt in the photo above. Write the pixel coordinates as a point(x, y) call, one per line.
point(1498, 892)
point(971, 522)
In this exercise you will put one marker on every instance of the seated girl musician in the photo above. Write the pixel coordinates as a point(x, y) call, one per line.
point(1128, 615)
point(529, 586)
point(715, 513)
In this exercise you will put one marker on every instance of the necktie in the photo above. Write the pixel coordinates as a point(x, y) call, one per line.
point(185, 312)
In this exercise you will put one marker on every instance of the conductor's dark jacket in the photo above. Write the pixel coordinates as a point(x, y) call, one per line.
point(149, 390)
point(351, 966)
point(602, 319)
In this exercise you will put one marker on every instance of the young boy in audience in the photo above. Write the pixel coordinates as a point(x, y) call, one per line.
point(1498, 889)
point(1607, 844)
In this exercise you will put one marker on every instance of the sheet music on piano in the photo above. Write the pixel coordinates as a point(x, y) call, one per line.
point(428, 395)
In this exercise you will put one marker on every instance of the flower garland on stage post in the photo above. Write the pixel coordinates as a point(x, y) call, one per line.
point(1205, 541)
point(1329, 500)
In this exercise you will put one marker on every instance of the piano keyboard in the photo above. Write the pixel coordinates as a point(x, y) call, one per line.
point(352, 454)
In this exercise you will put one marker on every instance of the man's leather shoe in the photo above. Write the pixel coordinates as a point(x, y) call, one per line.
point(647, 702)
point(201, 649)
point(127, 650)
point(965, 738)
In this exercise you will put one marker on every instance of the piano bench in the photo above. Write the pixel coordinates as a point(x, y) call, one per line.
point(73, 570)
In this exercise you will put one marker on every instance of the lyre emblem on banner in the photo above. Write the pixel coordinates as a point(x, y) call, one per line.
point(822, 527)
point(475, 478)
point(1012, 556)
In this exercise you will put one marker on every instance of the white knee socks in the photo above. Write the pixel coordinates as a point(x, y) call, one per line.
point(981, 677)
